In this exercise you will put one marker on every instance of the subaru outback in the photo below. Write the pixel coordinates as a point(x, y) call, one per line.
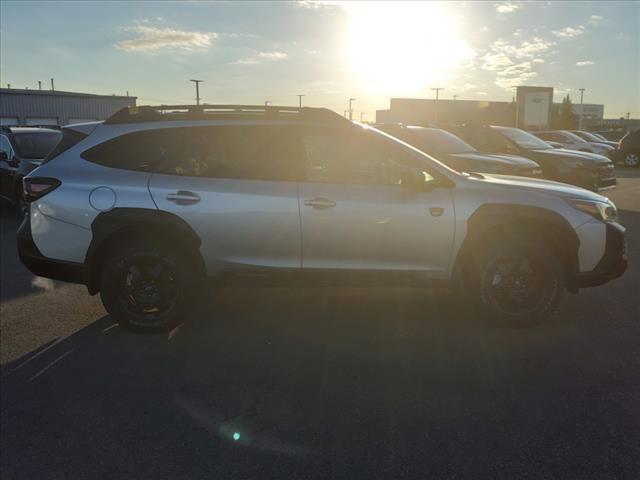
point(143, 207)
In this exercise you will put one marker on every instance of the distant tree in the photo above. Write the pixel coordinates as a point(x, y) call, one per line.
point(562, 117)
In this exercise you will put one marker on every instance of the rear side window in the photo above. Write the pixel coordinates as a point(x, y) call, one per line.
point(69, 139)
point(239, 152)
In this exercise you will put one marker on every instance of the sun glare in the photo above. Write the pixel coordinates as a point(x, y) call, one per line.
point(403, 47)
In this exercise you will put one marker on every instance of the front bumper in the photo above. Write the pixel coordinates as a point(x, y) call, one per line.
point(42, 266)
point(614, 261)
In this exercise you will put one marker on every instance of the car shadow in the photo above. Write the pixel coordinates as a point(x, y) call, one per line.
point(289, 383)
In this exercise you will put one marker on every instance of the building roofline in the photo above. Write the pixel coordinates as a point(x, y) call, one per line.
point(57, 93)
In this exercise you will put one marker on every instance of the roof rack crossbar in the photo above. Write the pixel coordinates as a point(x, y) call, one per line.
point(157, 113)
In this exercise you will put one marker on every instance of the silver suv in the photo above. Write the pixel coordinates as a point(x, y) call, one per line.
point(144, 206)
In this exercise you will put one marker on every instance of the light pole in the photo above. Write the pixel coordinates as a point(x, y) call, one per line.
point(351, 109)
point(437, 90)
point(197, 82)
point(455, 97)
point(362, 114)
point(300, 95)
point(516, 104)
point(581, 108)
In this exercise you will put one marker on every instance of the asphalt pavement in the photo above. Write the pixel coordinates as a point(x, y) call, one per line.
point(330, 383)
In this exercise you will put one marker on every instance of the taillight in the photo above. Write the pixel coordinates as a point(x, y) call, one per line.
point(38, 187)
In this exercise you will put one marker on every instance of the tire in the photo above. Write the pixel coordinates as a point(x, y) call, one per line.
point(632, 159)
point(516, 283)
point(147, 287)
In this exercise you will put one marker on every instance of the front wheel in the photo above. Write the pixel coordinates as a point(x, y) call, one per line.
point(517, 283)
point(147, 287)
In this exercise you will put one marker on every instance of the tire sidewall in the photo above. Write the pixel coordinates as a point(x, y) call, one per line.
point(110, 285)
point(553, 287)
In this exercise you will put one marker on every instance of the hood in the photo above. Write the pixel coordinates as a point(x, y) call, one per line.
point(544, 186)
point(586, 158)
point(513, 161)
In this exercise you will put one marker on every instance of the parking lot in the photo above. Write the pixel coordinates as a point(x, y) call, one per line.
point(321, 383)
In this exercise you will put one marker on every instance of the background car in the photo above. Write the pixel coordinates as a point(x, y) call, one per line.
point(572, 141)
point(458, 154)
point(593, 138)
point(587, 170)
point(628, 149)
point(22, 149)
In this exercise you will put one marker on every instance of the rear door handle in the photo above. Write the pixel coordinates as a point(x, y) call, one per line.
point(320, 203)
point(183, 197)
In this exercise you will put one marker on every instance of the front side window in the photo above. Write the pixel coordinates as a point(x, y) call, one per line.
point(353, 157)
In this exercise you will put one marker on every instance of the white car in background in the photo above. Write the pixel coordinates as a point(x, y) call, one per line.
point(574, 142)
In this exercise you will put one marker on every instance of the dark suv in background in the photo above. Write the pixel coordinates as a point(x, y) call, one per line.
point(22, 149)
point(588, 170)
point(458, 154)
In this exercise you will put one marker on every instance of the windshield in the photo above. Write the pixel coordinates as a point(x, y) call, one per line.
point(587, 136)
point(436, 141)
point(35, 144)
point(523, 139)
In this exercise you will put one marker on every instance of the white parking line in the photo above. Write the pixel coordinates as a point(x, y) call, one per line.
point(50, 365)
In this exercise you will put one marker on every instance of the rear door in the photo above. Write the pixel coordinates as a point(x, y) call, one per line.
point(356, 214)
point(236, 186)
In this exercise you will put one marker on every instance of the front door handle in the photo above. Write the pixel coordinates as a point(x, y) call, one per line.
point(183, 197)
point(320, 203)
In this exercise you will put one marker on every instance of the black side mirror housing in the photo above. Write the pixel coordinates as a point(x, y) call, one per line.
point(4, 157)
point(412, 179)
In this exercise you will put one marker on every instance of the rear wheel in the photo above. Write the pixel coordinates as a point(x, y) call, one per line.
point(146, 287)
point(632, 159)
point(517, 283)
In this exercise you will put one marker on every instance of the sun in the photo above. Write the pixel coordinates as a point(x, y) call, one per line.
point(403, 47)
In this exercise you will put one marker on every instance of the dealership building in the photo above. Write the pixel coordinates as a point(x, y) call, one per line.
point(530, 110)
point(54, 107)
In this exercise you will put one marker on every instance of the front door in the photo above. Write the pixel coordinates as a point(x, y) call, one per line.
point(357, 214)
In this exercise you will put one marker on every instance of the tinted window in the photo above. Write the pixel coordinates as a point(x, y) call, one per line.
point(523, 139)
point(431, 140)
point(35, 145)
point(5, 146)
point(353, 157)
point(254, 153)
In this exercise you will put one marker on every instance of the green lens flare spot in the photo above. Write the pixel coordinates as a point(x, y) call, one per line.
point(236, 436)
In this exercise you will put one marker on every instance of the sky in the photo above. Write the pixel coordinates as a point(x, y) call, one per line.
point(330, 51)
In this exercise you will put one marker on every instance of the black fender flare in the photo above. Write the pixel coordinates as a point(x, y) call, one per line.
point(546, 224)
point(108, 225)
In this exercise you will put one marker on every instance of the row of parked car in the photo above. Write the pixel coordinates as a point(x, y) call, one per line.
point(143, 207)
point(490, 149)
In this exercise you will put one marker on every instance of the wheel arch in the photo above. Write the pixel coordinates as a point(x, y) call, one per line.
point(498, 221)
point(114, 228)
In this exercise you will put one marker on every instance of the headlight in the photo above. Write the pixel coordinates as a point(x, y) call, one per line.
point(604, 211)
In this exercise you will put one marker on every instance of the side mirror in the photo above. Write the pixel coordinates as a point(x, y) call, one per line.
point(4, 157)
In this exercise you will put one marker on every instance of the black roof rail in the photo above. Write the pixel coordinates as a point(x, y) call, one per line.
point(161, 113)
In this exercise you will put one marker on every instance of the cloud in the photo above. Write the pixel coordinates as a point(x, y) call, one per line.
point(273, 55)
point(595, 19)
point(261, 57)
point(569, 32)
point(151, 39)
point(514, 62)
point(506, 7)
point(482, 94)
point(584, 63)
